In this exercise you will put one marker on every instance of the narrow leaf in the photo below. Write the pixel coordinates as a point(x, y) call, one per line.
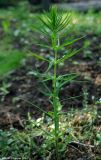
point(66, 43)
point(39, 57)
point(36, 106)
point(67, 79)
point(68, 55)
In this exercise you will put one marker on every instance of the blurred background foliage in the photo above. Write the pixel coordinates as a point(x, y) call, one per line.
point(8, 2)
point(16, 29)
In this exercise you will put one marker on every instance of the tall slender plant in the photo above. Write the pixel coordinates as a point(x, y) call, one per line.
point(54, 27)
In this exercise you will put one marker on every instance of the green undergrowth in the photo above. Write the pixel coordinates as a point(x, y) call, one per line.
point(88, 23)
point(21, 19)
point(9, 60)
point(34, 141)
point(84, 22)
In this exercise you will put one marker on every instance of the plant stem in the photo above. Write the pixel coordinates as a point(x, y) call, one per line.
point(55, 105)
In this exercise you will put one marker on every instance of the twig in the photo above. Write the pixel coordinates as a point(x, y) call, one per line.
point(81, 144)
point(76, 149)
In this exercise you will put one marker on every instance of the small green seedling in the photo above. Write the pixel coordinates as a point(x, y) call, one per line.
point(54, 27)
point(6, 26)
point(87, 52)
point(4, 90)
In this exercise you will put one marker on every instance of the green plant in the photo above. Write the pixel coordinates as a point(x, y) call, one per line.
point(15, 143)
point(4, 90)
point(87, 52)
point(6, 26)
point(54, 27)
point(24, 144)
point(10, 60)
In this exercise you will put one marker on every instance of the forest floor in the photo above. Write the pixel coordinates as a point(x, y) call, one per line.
point(19, 90)
point(22, 84)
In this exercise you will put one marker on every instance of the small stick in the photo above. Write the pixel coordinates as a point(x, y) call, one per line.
point(81, 144)
point(76, 149)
